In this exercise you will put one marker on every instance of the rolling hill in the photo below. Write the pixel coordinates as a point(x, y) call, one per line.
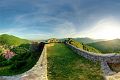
point(110, 46)
point(87, 40)
point(6, 39)
point(83, 46)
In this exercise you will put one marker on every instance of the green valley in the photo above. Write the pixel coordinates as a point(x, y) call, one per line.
point(110, 46)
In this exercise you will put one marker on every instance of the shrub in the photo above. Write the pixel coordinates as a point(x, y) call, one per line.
point(17, 65)
point(2, 58)
point(5, 63)
point(20, 50)
point(27, 46)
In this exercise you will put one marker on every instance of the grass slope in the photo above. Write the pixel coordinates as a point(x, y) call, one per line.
point(6, 39)
point(111, 46)
point(63, 64)
point(83, 46)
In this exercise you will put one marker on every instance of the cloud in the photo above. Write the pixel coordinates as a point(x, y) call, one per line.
point(37, 36)
point(66, 29)
point(57, 18)
point(107, 28)
point(12, 30)
point(23, 32)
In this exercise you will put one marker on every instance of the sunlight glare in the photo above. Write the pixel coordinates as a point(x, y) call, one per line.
point(105, 29)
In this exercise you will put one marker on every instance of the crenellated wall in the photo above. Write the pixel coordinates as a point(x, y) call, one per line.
point(109, 58)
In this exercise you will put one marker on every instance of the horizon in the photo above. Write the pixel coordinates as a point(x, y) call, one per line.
point(62, 38)
point(44, 19)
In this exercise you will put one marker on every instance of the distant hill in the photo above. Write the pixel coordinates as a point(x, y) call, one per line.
point(63, 39)
point(11, 40)
point(110, 46)
point(87, 40)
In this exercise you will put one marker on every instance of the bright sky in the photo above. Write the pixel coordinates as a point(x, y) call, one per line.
point(107, 28)
point(41, 19)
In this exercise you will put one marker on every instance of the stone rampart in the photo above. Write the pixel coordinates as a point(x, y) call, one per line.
point(109, 58)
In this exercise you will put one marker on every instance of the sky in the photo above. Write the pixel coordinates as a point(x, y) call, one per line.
point(43, 19)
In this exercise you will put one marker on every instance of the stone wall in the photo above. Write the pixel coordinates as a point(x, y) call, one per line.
point(102, 58)
point(109, 58)
point(38, 72)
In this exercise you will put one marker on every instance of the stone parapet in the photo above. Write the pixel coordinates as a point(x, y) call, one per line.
point(109, 58)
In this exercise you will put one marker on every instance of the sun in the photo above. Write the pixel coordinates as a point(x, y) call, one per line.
point(110, 32)
point(105, 29)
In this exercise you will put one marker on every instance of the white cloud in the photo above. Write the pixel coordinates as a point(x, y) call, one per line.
point(66, 29)
point(12, 30)
point(107, 28)
point(36, 36)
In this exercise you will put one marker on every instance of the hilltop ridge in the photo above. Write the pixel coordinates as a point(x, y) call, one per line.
point(6, 39)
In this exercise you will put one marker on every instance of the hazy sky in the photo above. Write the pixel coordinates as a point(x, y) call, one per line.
point(41, 19)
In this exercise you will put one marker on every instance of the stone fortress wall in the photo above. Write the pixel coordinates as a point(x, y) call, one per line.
point(39, 71)
point(104, 59)
point(109, 58)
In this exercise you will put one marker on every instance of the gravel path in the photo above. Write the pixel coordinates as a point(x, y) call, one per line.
point(38, 72)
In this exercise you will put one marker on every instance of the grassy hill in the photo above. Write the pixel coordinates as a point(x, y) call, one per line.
point(111, 46)
point(25, 55)
point(6, 39)
point(83, 46)
point(87, 40)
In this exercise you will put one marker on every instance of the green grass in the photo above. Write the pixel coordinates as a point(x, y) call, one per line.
point(110, 46)
point(63, 64)
point(83, 46)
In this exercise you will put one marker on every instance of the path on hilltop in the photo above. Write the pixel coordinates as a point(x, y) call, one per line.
point(64, 64)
